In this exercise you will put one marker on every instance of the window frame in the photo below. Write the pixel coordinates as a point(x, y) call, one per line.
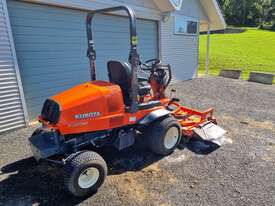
point(178, 17)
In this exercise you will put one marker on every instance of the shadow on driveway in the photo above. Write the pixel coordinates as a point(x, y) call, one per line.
point(29, 183)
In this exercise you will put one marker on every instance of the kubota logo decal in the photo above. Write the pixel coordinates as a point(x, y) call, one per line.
point(87, 115)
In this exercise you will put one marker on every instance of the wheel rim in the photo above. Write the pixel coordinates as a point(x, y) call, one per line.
point(88, 178)
point(171, 137)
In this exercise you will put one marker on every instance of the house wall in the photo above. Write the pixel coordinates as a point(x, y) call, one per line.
point(194, 9)
point(179, 50)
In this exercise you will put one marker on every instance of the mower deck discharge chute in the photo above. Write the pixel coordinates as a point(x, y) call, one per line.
point(100, 113)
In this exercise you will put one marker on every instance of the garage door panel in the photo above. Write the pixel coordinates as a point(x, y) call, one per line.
point(54, 77)
point(46, 31)
point(51, 47)
point(53, 68)
point(48, 38)
point(54, 39)
point(37, 64)
point(47, 47)
point(53, 55)
point(36, 94)
point(43, 11)
point(42, 23)
point(35, 81)
point(37, 32)
point(46, 23)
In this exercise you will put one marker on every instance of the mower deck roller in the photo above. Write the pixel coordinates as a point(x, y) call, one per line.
point(114, 113)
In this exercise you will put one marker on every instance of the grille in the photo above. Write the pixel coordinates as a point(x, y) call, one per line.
point(50, 111)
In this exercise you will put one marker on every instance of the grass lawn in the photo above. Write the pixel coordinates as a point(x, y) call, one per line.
point(253, 50)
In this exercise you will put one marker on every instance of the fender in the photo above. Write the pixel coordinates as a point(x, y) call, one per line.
point(153, 116)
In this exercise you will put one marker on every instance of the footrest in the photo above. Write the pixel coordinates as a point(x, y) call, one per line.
point(149, 105)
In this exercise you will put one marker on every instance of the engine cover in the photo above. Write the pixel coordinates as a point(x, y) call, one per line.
point(89, 107)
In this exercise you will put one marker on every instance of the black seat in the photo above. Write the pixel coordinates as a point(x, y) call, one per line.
point(120, 73)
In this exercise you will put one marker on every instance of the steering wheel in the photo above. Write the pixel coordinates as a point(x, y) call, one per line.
point(150, 64)
point(161, 73)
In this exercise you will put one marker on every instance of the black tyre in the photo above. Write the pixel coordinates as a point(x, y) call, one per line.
point(164, 136)
point(85, 173)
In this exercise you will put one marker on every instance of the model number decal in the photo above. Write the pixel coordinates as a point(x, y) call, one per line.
point(87, 115)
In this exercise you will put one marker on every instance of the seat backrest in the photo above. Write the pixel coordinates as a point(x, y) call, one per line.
point(120, 73)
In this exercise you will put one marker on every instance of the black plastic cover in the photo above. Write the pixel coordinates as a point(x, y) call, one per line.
point(50, 111)
point(45, 145)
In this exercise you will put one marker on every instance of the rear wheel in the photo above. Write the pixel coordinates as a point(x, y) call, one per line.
point(164, 136)
point(85, 173)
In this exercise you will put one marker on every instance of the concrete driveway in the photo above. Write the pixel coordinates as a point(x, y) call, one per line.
point(241, 173)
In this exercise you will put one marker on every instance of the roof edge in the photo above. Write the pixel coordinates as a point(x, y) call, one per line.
point(211, 8)
point(217, 5)
point(214, 13)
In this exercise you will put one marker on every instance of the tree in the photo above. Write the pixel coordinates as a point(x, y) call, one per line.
point(248, 12)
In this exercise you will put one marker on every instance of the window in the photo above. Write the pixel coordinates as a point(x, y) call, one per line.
point(186, 25)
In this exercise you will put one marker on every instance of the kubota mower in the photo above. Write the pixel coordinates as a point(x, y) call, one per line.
point(114, 113)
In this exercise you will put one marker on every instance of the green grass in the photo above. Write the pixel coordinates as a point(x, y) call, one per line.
point(253, 50)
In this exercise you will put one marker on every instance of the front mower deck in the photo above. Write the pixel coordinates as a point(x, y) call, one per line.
point(190, 119)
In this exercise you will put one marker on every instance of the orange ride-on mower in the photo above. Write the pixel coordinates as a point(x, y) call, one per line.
point(100, 113)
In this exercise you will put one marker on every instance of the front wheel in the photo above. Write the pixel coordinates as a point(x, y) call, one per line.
point(85, 173)
point(164, 136)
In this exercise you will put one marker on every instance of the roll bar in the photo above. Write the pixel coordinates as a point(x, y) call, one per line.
point(133, 55)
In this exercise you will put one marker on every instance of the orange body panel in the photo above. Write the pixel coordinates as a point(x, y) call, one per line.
point(98, 105)
point(94, 106)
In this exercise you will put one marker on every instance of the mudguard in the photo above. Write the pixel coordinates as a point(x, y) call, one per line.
point(153, 116)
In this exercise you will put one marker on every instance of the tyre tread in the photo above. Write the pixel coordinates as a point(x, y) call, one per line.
point(157, 130)
point(77, 162)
